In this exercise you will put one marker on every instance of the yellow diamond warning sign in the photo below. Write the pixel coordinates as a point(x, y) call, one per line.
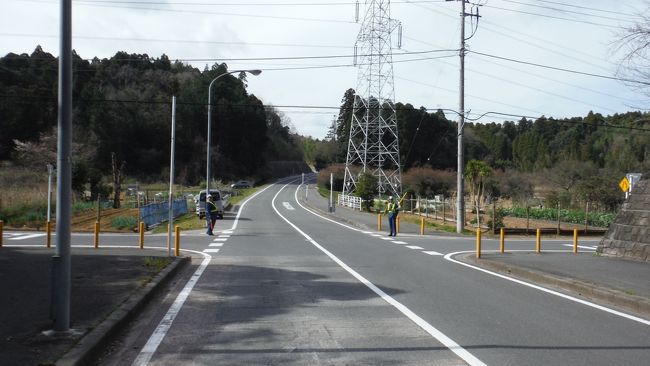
point(624, 184)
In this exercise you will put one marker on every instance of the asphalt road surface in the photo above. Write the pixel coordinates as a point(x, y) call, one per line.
point(280, 284)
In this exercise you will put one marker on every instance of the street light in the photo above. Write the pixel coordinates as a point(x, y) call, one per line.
point(207, 163)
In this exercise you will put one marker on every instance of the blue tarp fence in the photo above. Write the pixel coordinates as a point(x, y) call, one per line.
point(156, 213)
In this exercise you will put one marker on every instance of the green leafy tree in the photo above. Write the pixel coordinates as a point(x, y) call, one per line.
point(366, 189)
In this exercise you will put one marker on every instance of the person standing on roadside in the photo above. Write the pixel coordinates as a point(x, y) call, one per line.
point(393, 210)
point(211, 212)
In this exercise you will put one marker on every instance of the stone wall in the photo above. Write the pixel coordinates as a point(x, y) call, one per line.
point(629, 235)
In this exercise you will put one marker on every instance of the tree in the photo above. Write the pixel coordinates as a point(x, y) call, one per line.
point(476, 172)
point(118, 179)
point(366, 189)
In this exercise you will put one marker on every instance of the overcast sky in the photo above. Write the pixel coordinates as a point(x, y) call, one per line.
point(248, 34)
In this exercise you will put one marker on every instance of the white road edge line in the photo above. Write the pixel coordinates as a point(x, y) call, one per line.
point(581, 247)
point(571, 298)
point(442, 338)
point(163, 327)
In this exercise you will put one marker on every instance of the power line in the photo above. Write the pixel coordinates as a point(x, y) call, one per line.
point(567, 11)
point(553, 17)
point(561, 69)
point(585, 7)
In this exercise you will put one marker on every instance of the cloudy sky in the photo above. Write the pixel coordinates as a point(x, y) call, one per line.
point(305, 49)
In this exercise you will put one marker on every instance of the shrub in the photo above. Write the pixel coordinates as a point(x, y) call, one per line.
point(124, 222)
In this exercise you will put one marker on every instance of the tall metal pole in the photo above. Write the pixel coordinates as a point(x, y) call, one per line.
point(171, 180)
point(460, 197)
point(209, 143)
point(61, 260)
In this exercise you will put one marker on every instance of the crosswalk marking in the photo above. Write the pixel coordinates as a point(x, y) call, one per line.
point(220, 239)
point(216, 245)
point(399, 242)
point(211, 251)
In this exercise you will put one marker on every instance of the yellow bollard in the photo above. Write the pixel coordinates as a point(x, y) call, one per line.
point(538, 241)
point(48, 230)
point(96, 234)
point(422, 226)
point(177, 240)
point(575, 240)
point(379, 222)
point(397, 225)
point(141, 235)
point(478, 244)
point(2, 224)
point(502, 240)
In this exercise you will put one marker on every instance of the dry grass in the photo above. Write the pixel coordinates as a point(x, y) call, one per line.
point(22, 186)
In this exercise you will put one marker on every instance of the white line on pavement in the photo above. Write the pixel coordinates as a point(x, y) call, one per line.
point(220, 239)
point(216, 245)
point(399, 242)
point(385, 238)
point(163, 327)
point(580, 301)
point(26, 237)
point(414, 247)
point(431, 252)
point(441, 337)
point(581, 246)
point(224, 236)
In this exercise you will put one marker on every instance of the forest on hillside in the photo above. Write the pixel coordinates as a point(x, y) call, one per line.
point(122, 107)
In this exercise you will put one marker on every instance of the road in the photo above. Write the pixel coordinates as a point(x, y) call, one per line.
point(282, 284)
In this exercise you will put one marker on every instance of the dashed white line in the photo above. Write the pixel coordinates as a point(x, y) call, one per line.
point(431, 252)
point(434, 332)
point(385, 238)
point(414, 247)
point(399, 242)
point(216, 245)
point(367, 232)
point(375, 235)
point(220, 239)
point(224, 236)
point(211, 251)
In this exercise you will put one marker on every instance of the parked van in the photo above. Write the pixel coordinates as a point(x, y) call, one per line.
point(199, 199)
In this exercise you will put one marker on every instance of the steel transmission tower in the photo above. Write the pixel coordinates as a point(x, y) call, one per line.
point(374, 144)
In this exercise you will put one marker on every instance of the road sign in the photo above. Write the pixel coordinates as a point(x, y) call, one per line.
point(624, 184)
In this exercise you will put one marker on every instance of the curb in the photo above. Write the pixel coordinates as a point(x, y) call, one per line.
point(571, 286)
point(92, 344)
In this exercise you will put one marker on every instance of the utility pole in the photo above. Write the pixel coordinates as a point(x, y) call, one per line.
point(61, 273)
point(460, 181)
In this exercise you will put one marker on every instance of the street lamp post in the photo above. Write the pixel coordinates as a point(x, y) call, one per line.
point(207, 163)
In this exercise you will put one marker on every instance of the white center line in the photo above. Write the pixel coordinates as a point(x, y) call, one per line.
point(414, 247)
point(431, 252)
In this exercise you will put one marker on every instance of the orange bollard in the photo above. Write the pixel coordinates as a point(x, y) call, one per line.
point(96, 234)
point(48, 230)
point(502, 240)
point(422, 226)
point(575, 240)
point(2, 224)
point(177, 240)
point(538, 241)
point(141, 228)
point(478, 243)
point(379, 222)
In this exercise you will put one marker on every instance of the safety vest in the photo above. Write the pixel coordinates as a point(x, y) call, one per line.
point(392, 207)
point(212, 207)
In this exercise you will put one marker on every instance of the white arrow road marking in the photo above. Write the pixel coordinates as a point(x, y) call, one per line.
point(287, 205)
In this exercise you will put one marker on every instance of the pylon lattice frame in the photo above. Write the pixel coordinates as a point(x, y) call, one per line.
point(374, 144)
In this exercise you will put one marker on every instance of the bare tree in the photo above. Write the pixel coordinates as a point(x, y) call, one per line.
point(634, 44)
point(118, 179)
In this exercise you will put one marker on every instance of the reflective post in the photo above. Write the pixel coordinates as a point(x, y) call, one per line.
point(177, 240)
point(478, 243)
point(141, 235)
point(538, 241)
point(575, 240)
point(502, 240)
